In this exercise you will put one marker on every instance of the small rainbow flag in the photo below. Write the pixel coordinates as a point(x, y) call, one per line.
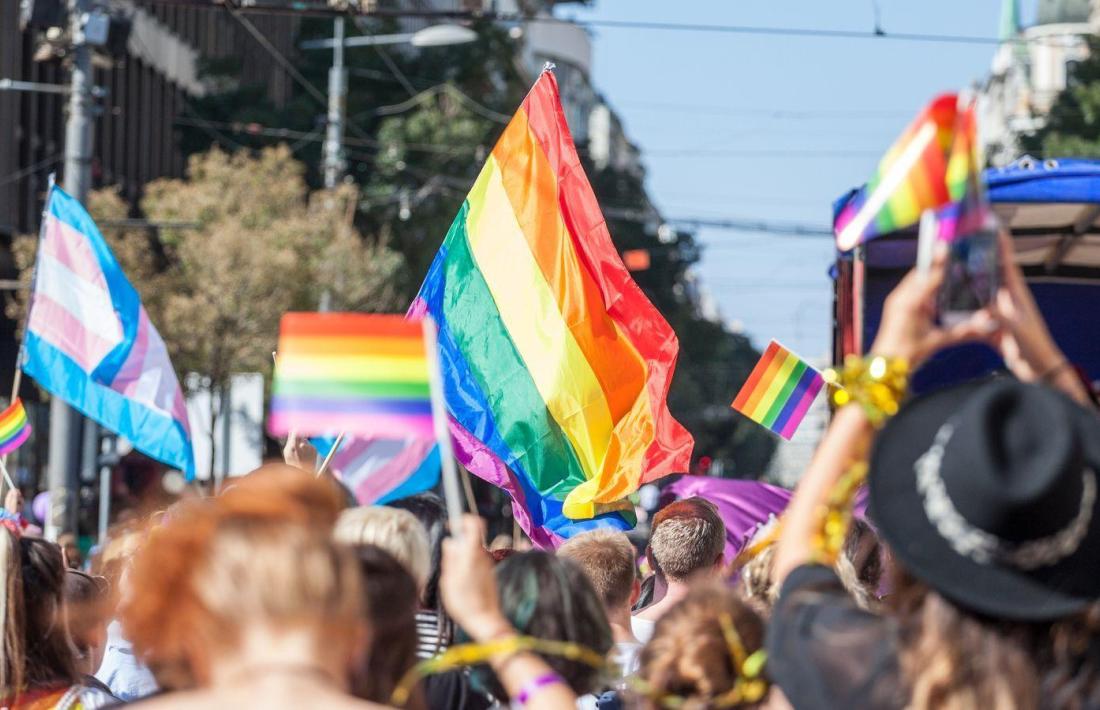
point(14, 427)
point(779, 391)
point(351, 372)
point(910, 178)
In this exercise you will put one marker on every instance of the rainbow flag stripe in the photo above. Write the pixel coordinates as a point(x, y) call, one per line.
point(556, 368)
point(910, 178)
point(353, 373)
point(15, 429)
point(779, 391)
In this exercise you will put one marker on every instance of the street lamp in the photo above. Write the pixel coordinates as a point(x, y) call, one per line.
point(433, 36)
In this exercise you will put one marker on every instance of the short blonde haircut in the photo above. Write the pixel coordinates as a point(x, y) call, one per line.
point(396, 531)
point(688, 536)
point(607, 559)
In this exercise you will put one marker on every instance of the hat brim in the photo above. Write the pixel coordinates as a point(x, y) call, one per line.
point(992, 589)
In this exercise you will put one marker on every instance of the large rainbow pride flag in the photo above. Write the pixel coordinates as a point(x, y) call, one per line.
point(556, 368)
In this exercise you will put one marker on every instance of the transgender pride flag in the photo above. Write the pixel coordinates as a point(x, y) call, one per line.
point(89, 341)
point(379, 470)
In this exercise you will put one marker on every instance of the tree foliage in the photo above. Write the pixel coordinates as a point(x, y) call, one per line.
point(1072, 128)
point(420, 124)
point(257, 244)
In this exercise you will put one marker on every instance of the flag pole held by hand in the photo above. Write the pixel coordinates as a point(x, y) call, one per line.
point(328, 457)
point(452, 489)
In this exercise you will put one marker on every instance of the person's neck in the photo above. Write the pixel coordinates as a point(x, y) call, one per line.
point(264, 655)
point(674, 592)
point(619, 620)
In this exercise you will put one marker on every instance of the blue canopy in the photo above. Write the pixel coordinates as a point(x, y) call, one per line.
point(1052, 209)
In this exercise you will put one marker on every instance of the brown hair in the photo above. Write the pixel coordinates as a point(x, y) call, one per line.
point(391, 599)
point(689, 657)
point(261, 552)
point(607, 559)
point(951, 658)
point(36, 650)
point(688, 536)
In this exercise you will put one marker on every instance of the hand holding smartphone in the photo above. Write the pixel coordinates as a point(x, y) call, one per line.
point(973, 266)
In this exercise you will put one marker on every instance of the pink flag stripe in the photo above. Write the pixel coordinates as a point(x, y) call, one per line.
point(147, 377)
point(71, 248)
point(315, 423)
point(388, 476)
point(16, 442)
point(65, 331)
point(800, 411)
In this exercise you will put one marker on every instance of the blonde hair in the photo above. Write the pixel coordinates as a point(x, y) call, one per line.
point(607, 559)
point(688, 536)
point(396, 531)
point(261, 553)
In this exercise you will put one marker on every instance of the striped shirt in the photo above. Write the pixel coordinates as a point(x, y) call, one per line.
point(434, 634)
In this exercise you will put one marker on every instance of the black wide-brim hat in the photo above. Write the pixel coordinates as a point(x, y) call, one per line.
point(985, 491)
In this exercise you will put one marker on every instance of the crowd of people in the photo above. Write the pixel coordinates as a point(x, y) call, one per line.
point(970, 582)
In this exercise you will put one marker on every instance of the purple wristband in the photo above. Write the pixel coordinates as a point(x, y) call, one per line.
point(531, 688)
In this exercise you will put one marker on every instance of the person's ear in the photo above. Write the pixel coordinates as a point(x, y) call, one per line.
point(635, 592)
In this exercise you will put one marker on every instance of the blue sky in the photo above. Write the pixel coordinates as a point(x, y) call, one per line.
point(815, 114)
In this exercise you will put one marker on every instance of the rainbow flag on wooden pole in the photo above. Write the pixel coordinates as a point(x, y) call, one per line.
point(350, 372)
point(779, 391)
point(371, 375)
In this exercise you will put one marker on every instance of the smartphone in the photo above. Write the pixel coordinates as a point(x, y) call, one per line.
point(973, 261)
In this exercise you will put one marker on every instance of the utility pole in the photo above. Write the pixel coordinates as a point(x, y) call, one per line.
point(63, 472)
point(337, 100)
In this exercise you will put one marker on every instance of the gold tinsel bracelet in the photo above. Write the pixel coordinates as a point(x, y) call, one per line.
point(878, 385)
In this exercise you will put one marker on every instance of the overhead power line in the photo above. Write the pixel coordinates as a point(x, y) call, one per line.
point(319, 8)
point(736, 224)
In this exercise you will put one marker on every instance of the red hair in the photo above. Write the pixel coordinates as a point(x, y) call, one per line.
point(261, 551)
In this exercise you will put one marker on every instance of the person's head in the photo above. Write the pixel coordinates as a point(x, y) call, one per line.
point(69, 546)
point(986, 495)
point(705, 652)
point(688, 539)
point(550, 598)
point(859, 567)
point(36, 648)
point(390, 599)
point(398, 532)
point(87, 609)
point(607, 558)
point(252, 572)
point(431, 511)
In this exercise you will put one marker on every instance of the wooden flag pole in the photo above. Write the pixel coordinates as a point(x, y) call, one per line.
point(452, 490)
point(468, 489)
point(328, 457)
point(7, 476)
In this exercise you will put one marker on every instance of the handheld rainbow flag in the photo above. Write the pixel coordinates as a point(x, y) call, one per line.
point(555, 366)
point(779, 391)
point(910, 178)
point(14, 427)
point(968, 207)
point(351, 372)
